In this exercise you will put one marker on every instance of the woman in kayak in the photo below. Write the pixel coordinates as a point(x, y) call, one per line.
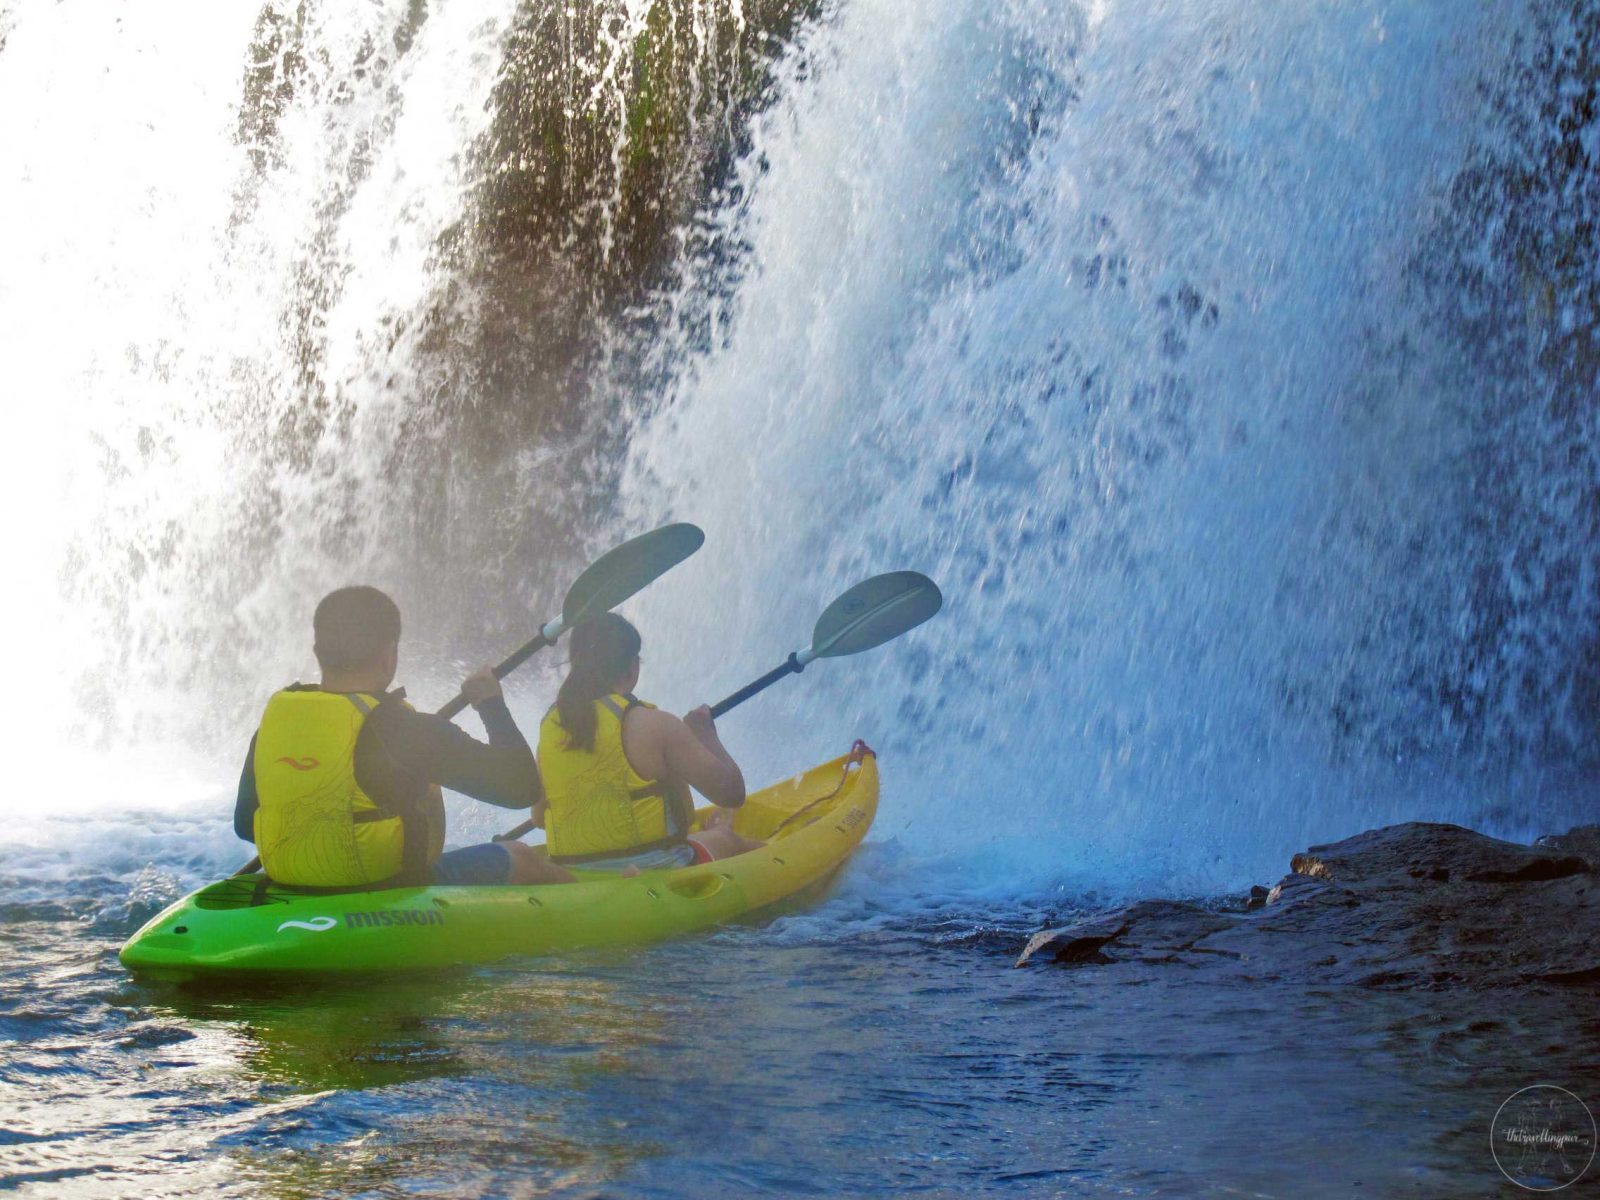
point(617, 771)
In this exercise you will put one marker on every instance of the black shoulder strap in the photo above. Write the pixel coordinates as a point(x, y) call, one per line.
point(416, 834)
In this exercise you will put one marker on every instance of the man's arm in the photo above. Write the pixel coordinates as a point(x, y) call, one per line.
point(503, 772)
point(244, 808)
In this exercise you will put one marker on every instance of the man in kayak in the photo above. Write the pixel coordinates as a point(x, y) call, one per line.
point(341, 785)
point(617, 771)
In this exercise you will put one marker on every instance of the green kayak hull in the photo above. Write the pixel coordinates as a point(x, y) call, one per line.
point(246, 925)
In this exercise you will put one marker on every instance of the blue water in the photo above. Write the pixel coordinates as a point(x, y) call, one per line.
point(848, 1053)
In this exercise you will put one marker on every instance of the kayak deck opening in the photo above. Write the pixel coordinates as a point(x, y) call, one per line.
point(697, 887)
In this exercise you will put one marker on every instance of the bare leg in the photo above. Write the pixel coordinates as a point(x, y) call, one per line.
point(720, 841)
point(532, 865)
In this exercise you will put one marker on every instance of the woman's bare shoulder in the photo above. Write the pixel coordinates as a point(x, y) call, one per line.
point(647, 736)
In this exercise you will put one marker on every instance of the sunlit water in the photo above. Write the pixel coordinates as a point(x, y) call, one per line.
point(846, 1055)
point(1228, 364)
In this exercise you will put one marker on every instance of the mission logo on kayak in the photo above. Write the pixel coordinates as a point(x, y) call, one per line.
point(396, 916)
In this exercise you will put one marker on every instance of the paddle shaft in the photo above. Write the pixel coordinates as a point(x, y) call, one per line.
point(512, 835)
point(792, 666)
point(522, 655)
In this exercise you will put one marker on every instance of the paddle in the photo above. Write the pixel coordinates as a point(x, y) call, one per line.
point(619, 573)
point(612, 578)
point(869, 614)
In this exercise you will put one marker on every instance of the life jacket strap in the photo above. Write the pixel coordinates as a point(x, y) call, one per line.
point(414, 832)
point(368, 815)
point(679, 808)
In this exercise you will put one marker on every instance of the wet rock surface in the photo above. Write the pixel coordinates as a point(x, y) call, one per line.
point(1407, 906)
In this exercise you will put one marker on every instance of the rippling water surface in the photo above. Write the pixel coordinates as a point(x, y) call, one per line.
point(844, 1051)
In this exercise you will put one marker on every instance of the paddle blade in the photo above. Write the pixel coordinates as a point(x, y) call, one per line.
point(619, 573)
point(874, 611)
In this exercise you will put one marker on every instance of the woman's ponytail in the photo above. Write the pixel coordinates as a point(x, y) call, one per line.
point(601, 650)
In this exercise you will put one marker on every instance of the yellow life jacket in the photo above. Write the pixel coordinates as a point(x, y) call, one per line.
point(599, 806)
point(314, 826)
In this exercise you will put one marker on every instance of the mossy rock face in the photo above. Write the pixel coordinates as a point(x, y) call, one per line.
point(609, 128)
point(608, 134)
point(608, 131)
point(606, 138)
point(610, 125)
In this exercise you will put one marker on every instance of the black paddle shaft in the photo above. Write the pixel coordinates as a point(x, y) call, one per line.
point(792, 667)
point(516, 832)
point(522, 655)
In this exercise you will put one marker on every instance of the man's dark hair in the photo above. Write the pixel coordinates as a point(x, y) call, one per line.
point(353, 626)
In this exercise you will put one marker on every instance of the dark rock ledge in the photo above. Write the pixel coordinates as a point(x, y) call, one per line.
point(1407, 906)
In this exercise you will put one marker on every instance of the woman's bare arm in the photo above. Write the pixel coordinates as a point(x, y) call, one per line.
point(661, 746)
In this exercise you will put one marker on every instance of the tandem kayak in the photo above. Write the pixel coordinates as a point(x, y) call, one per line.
point(246, 924)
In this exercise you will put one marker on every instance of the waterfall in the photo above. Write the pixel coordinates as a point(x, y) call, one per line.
point(1230, 365)
point(1141, 328)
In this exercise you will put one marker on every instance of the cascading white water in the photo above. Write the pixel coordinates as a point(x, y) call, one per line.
point(1106, 316)
point(175, 479)
point(1112, 317)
